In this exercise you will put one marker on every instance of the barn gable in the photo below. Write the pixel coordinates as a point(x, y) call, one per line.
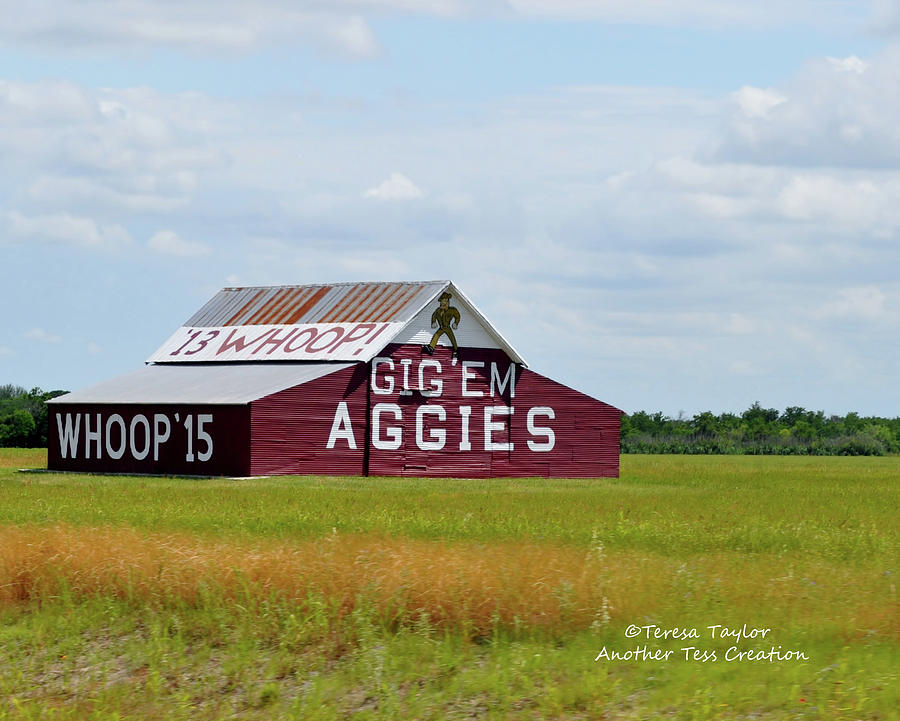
point(338, 322)
point(472, 331)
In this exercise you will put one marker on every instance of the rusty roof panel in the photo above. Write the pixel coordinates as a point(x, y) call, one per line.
point(360, 309)
point(242, 309)
point(294, 301)
point(364, 309)
point(397, 301)
point(280, 309)
point(303, 310)
point(269, 301)
point(251, 310)
point(338, 303)
point(235, 302)
point(344, 303)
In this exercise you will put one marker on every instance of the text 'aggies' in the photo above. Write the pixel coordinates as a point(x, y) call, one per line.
point(456, 419)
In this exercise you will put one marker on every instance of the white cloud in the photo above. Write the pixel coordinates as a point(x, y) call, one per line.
point(825, 198)
point(885, 18)
point(705, 13)
point(832, 113)
point(342, 26)
point(795, 206)
point(756, 102)
point(372, 265)
point(93, 348)
point(202, 24)
point(45, 103)
point(866, 303)
point(745, 368)
point(105, 151)
point(850, 64)
point(63, 228)
point(396, 187)
point(4, 351)
point(42, 336)
point(124, 193)
point(740, 324)
point(355, 37)
point(168, 242)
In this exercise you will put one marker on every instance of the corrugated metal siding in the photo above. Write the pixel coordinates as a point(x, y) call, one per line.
point(290, 429)
point(586, 431)
point(175, 435)
point(336, 303)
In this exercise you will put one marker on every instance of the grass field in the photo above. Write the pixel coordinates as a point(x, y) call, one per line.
point(431, 599)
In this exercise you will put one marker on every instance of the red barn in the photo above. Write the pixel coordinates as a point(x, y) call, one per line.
point(348, 379)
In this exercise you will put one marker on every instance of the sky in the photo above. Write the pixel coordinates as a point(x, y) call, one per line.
point(673, 206)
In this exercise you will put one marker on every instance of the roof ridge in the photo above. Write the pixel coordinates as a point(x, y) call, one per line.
point(338, 284)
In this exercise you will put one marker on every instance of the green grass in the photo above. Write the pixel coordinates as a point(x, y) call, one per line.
point(806, 546)
point(101, 659)
point(838, 508)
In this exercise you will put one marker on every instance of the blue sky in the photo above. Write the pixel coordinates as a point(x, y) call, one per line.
point(673, 206)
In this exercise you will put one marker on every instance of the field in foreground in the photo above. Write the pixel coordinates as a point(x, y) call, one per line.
point(405, 598)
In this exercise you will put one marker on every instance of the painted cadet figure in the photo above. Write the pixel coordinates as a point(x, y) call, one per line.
point(442, 318)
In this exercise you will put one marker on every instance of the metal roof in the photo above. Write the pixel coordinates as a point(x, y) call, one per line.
point(334, 322)
point(334, 303)
point(212, 383)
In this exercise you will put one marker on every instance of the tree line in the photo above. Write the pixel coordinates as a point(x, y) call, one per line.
point(23, 416)
point(761, 431)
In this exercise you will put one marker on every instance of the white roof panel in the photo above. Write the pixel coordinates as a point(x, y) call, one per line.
point(213, 383)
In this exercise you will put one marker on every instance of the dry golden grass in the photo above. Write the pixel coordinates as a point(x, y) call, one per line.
point(23, 458)
point(467, 586)
point(456, 585)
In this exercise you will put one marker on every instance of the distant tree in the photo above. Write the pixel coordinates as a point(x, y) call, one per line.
point(757, 413)
point(16, 428)
point(792, 415)
point(881, 433)
point(643, 422)
point(15, 405)
point(853, 423)
point(729, 422)
point(803, 430)
point(705, 424)
point(8, 391)
point(757, 421)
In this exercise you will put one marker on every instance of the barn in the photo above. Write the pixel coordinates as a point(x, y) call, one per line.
point(342, 379)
